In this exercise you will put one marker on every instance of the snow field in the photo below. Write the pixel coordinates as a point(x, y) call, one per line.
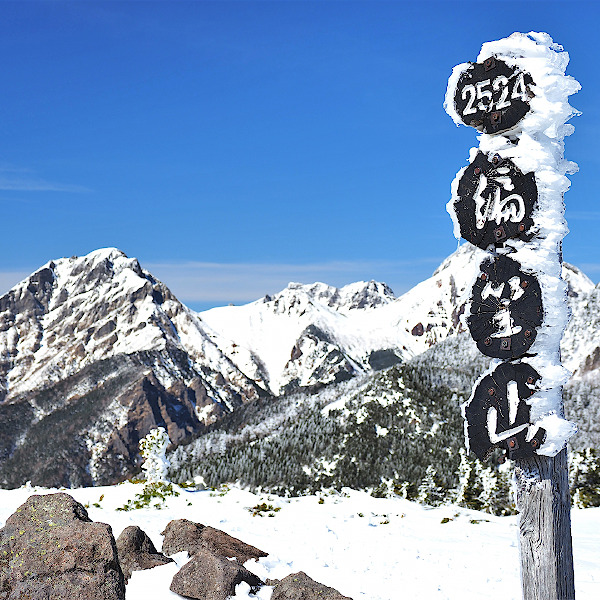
point(367, 548)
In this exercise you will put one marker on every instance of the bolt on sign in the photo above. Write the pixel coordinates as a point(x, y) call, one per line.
point(508, 201)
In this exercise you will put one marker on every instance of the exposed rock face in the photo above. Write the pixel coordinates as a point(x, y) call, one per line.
point(137, 552)
point(49, 548)
point(299, 586)
point(183, 535)
point(210, 577)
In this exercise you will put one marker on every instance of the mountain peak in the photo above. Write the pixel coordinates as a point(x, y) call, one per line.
point(358, 295)
point(578, 282)
point(366, 294)
point(465, 254)
point(110, 253)
point(76, 311)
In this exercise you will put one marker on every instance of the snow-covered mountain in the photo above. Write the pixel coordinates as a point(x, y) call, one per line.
point(76, 311)
point(94, 352)
point(308, 335)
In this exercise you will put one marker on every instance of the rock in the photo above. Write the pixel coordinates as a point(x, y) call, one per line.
point(49, 548)
point(299, 586)
point(183, 535)
point(210, 577)
point(137, 552)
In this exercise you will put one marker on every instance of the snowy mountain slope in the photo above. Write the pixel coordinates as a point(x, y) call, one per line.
point(311, 334)
point(73, 329)
point(73, 312)
point(581, 342)
point(381, 431)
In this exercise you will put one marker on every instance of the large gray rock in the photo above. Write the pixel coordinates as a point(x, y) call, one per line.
point(299, 586)
point(210, 577)
point(182, 535)
point(137, 552)
point(51, 550)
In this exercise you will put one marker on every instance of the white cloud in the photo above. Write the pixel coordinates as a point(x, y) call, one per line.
point(244, 282)
point(18, 184)
point(19, 179)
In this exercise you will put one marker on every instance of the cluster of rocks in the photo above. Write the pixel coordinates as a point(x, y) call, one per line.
point(50, 549)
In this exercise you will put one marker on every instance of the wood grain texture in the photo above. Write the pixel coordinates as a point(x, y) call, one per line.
point(545, 543)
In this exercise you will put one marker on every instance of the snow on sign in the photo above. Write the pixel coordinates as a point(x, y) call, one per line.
point(492, 96)
point(498, 415)
point(506, 309)
point(494, 201)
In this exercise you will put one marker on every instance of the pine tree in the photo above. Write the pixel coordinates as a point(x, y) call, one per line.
point(585, 478)
point(430, 491)
point(470, 488)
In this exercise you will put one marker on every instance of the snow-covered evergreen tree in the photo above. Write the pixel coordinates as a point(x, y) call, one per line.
point(153, 448)
point(466, 478)
point(430, 491)
point(483, 487)
point(584, 478)
point(156, 466)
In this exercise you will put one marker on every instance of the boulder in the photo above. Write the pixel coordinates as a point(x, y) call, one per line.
point(183, 535)
point(208, 576)
point(137, 552)
point(299, 586)
point(49, 548)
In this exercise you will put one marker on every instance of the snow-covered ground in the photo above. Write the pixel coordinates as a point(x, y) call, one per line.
point(367, 548)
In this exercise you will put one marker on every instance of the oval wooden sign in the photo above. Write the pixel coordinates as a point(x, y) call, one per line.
point(498, 415)
point(492, 96)
point(495, 201)
point(506, 309)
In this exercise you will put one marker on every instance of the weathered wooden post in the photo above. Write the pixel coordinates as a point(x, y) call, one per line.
point(509, 202)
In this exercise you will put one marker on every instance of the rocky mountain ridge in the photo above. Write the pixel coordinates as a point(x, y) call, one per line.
point(94, 352)
point(307, 335)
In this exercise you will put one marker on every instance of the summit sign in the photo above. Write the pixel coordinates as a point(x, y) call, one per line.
point(509, 203)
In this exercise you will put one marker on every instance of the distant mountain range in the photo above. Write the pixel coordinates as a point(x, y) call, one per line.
point(94, 352)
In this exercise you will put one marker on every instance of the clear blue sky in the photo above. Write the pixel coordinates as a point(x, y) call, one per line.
point(235, 146)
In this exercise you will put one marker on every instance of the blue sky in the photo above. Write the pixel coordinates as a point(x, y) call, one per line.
point(235, 146)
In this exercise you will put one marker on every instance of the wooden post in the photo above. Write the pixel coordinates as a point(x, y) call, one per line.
point(543, 501)
point(516, 96)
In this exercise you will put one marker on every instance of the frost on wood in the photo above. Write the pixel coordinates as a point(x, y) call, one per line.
point(153, 448)
point(517, 95)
